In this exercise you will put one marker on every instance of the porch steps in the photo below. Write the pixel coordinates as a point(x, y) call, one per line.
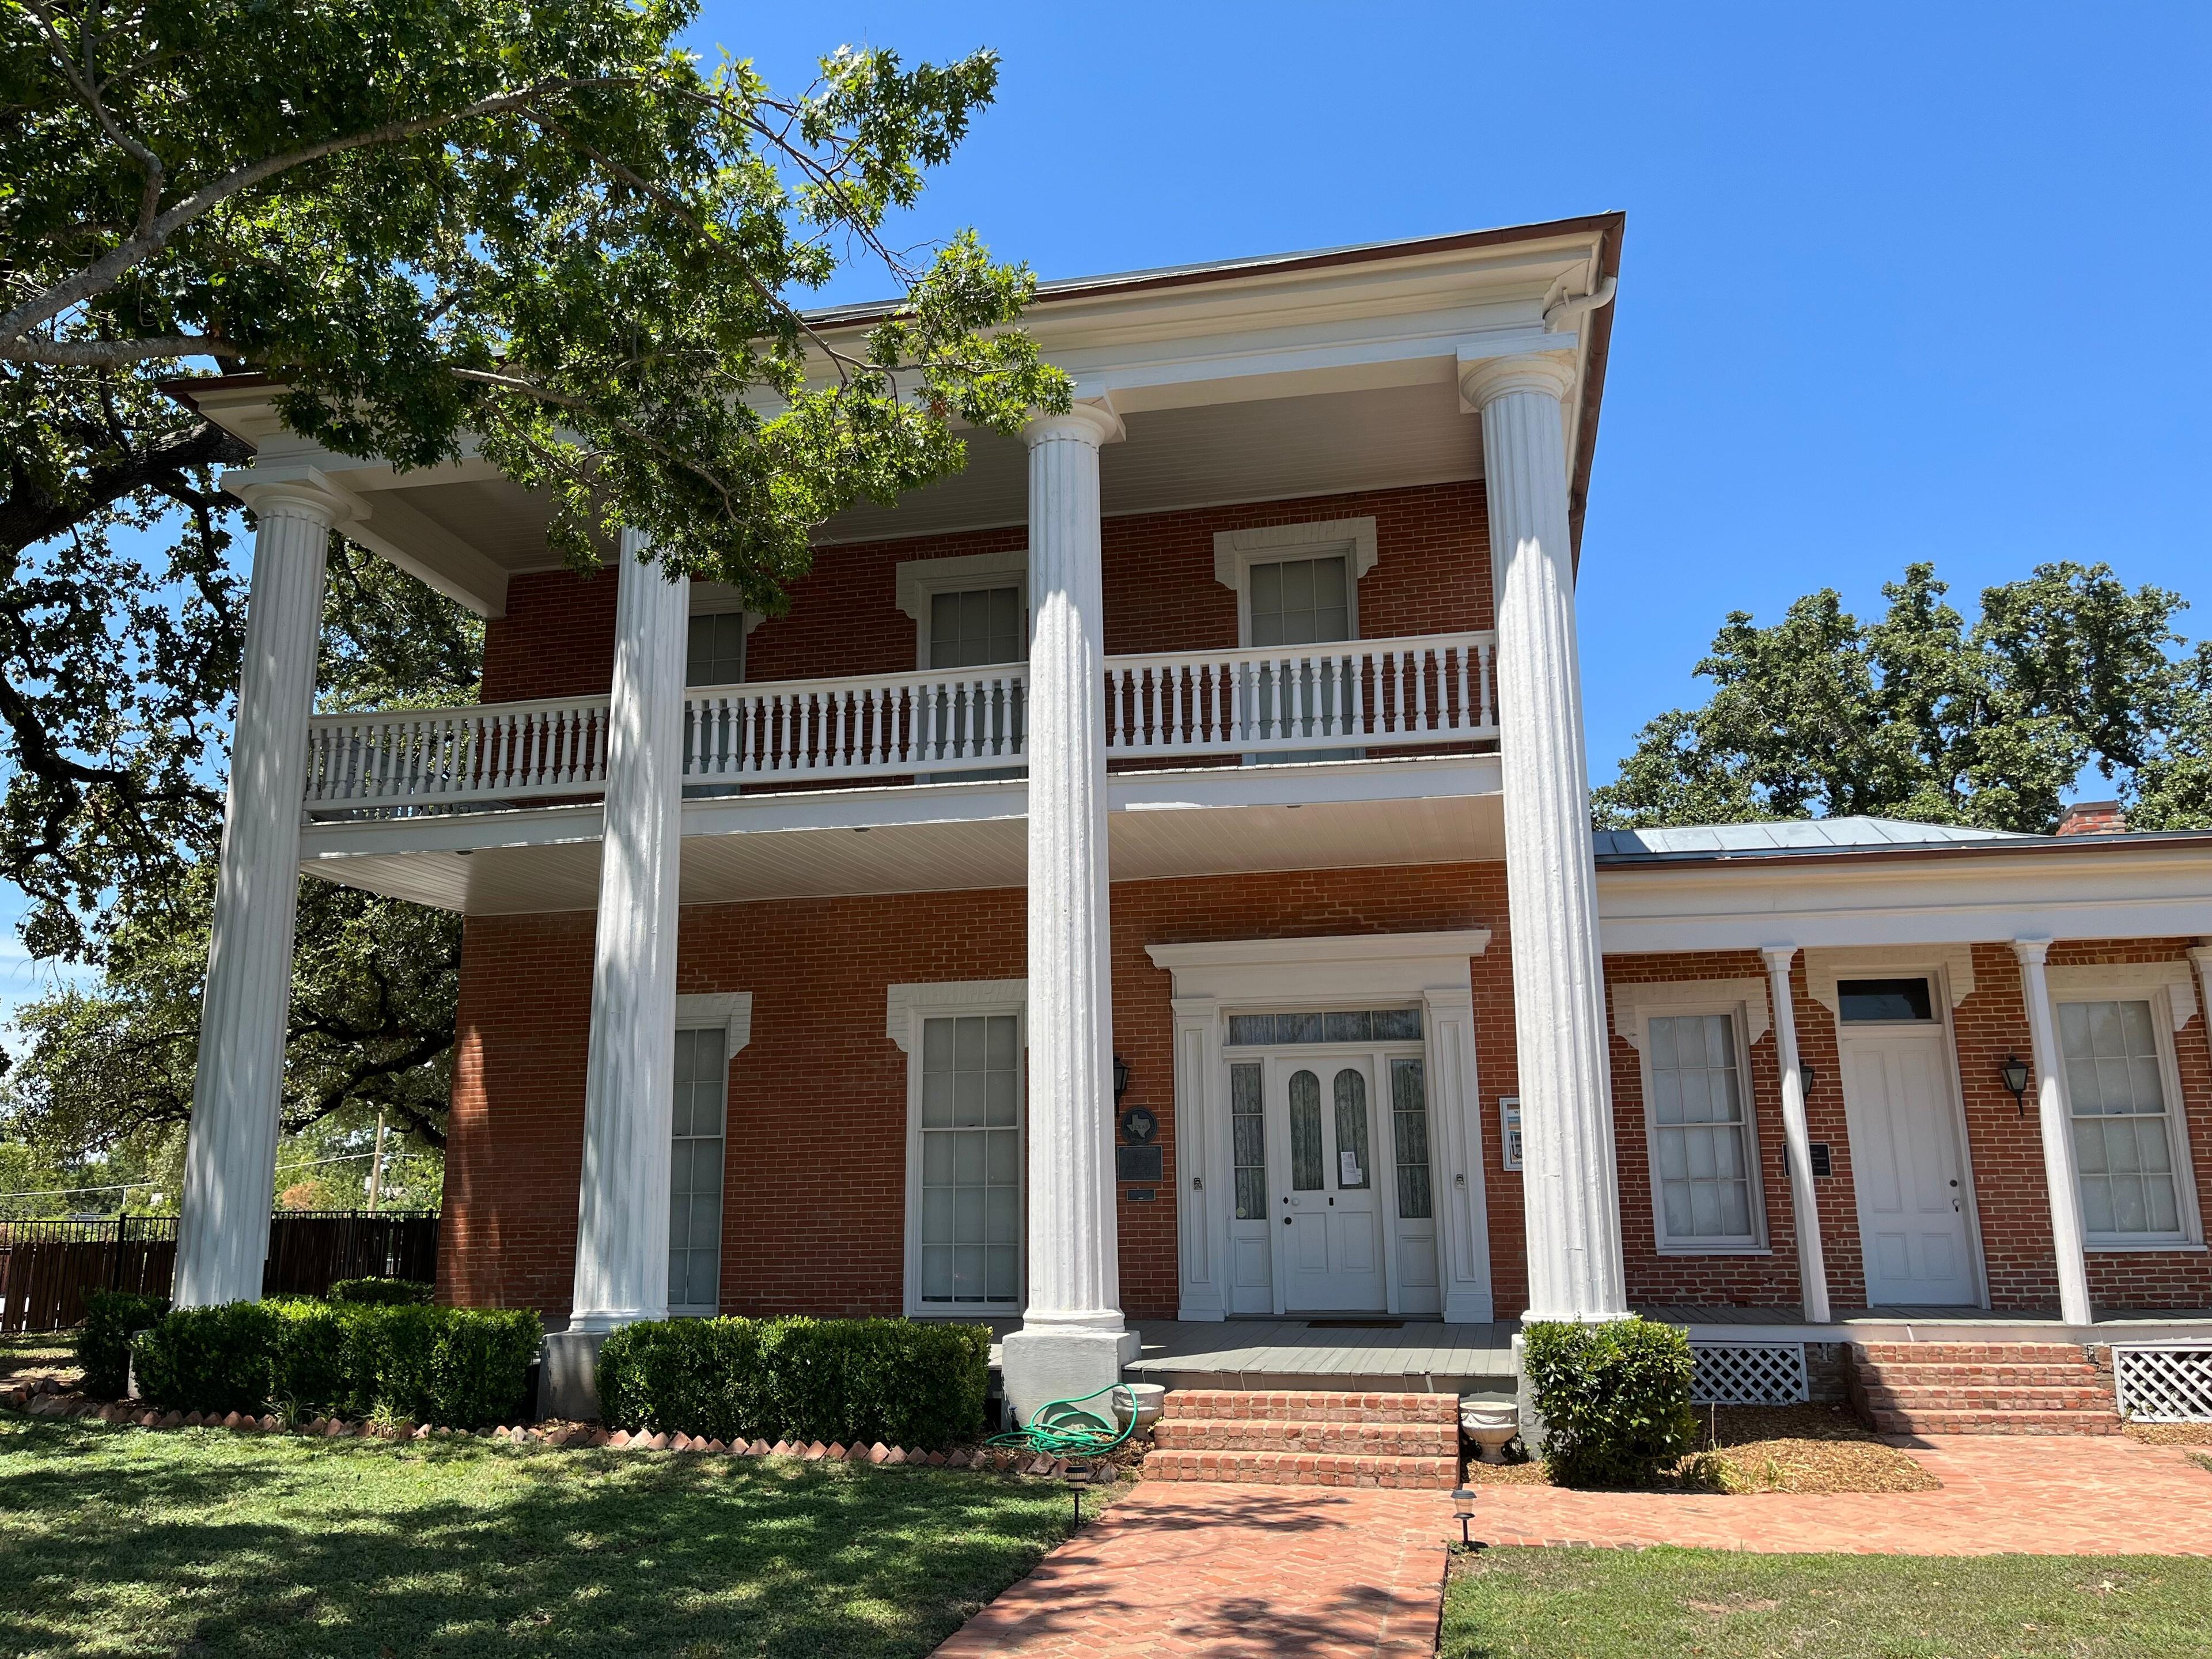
point(1981, 1388)
point(1307, 1438)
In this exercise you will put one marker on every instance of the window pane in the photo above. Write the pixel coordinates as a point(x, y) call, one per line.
point(1300, 601)
point(1351, 1164)
point(1883, 1000)
point(1305, 1133)
point(695, 1170)
point(715, 653)
point(1251, 1028)
point(1247, 1142)
point(970, 1158)
point(971, 630)
point(1409, 1126)
point(2116, 1089)
point(1699, 1134)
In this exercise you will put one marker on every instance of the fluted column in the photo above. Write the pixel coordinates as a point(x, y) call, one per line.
point(238, 1093)
point(622, 1219)
point(1570, 1187)
point(2057, 1129)
point(1072, 1336)
point(1797, 1139)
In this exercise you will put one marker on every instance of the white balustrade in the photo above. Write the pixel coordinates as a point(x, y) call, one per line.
point(1364, 695)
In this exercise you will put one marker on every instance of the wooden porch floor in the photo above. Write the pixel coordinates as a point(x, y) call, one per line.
point(1380, 1355)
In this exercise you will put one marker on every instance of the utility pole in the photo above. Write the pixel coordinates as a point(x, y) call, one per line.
point(376, 1167)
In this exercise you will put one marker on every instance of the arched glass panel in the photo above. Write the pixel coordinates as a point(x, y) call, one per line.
point(1352, 1173)
point(1305, 1133)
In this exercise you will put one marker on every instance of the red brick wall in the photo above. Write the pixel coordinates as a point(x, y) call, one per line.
point(1432, 576)
point(815, 1187)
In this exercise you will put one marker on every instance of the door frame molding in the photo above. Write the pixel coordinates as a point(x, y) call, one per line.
point(1432, 970)
point(1935, 964)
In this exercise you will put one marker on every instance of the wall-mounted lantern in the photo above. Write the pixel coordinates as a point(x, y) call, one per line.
point(1121, 1079)
point(2014, 1074)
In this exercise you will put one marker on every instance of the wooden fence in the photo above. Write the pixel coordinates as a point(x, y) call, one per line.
point(47, 1267)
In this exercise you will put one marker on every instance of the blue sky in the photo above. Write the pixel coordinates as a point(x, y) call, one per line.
point(1900, 282)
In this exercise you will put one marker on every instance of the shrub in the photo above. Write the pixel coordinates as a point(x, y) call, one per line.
point(383, 1292)
point(466, 1367)
point(1615, 1398)
point(111, 1318)
point(849, 1379)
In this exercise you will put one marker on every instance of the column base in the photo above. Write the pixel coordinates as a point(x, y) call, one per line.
point(1046, 1361)
point(568, 1375)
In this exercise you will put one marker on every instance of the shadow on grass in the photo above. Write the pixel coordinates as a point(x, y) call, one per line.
point(207, 1542)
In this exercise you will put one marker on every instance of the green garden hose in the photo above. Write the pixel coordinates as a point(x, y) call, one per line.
point(1062, 1428)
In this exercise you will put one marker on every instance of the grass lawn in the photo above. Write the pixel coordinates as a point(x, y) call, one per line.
point(115, 1540)
point(1718, 1604)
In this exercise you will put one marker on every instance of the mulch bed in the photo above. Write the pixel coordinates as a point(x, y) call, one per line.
point(1748, 1449)
point(2171, 1434)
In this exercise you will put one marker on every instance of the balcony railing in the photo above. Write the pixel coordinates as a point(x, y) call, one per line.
point(1318, 701)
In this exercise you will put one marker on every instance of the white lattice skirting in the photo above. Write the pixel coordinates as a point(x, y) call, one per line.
point(2166, 1384)
point(1749, 1374)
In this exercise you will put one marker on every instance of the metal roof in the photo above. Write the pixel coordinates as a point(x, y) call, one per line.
point(1792, 835)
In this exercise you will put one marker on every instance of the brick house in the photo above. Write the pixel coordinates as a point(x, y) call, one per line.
point(1145, 882)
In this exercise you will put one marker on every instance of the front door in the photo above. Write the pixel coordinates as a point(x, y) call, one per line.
point(1322, 1120)
point(1905, 1160)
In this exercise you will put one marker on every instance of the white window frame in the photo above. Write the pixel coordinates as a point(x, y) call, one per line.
point(906, 1007)
point(1235, 551)
point(919, 581)
point(1744, 1004)
point(2166, 988)
point(730, 1012)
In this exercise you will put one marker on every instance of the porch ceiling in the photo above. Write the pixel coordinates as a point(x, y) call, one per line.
point(944, 838)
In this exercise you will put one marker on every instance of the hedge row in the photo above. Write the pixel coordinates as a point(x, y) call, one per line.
point(467, 1367)
point(111, 1318)
point(1615, 1398)
point(831, 1380)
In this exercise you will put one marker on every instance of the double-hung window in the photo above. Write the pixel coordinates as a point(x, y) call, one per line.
point(2128, 1141)
point(968, 1240)
point(1698, 1114)
point(695, 1176)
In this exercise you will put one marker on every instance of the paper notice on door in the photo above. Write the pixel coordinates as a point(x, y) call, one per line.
point(1347, 1168)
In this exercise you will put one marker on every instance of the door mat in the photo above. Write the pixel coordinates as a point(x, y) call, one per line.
point(1355, 1324)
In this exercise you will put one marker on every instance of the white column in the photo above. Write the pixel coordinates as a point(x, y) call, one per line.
point(1071, 1339)
point(2052, 1118)
point(622, 1218)
point(1804, 1204)
point(238, 1094)
point(1569, 1182)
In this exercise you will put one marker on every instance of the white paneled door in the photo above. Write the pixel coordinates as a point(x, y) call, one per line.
point(1906, 1164)
point(1328, 1214)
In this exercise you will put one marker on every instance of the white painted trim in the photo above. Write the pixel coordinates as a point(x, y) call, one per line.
point(2089, 981)
point(1356, 970)
point(2138, 982)
point(1823, 968)
point(1205, 1181)
point(1235, 551)
point(903, 1002)
point(1733, 997)
point(731, 1010)
point(907, 1007)
point(1633, 1001)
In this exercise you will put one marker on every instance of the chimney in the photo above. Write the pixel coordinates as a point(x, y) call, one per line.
point(2094, 817)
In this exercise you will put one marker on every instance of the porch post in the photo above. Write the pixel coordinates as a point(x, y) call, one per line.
point(238, 1093)
point(1804, 1205)
point(1071, 1339)
point(622, 1217)
point(2051, 1117)
point(1571, 1187)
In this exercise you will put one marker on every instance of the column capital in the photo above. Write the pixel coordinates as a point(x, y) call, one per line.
point(1779, 956)
point(301, 492)
point(2031, 949)
point(1089, 422)
point(1484, 380)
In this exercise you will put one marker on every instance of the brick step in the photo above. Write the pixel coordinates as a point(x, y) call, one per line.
point(1890, 1421)
point(1308, 1405)
point(1350, 1439)
point(1997, 1397)
point(1278, 1468)
point(1986, 1374)
point(1969, 1353)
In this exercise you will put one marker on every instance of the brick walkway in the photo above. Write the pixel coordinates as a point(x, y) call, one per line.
point(2002, 1495)
point(1187, 1567)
